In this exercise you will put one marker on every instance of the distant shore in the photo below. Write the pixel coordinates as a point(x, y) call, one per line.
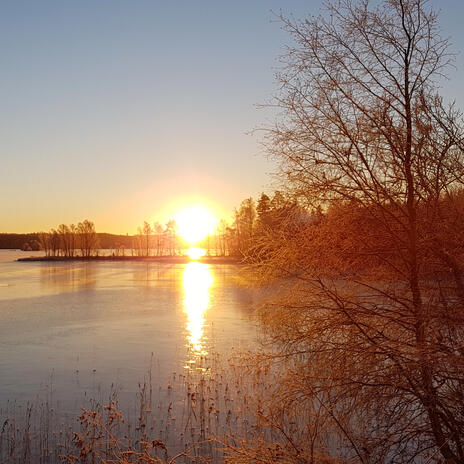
point(156, 259)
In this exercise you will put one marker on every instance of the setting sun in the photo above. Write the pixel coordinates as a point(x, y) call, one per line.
point(196, 253)
point(195, 223)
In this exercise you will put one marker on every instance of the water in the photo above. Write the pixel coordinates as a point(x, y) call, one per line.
point(72, 329)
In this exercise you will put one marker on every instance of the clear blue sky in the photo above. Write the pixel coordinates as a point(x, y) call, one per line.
point(119, 111)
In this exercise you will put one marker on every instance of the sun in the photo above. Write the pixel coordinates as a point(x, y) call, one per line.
point(195, 223)
point(196, 253)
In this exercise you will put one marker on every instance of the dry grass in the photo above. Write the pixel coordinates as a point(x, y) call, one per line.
point(201, 415)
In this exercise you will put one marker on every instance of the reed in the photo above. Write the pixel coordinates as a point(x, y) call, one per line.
point(201, 415)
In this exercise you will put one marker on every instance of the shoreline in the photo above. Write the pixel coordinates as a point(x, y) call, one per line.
point(156, 259)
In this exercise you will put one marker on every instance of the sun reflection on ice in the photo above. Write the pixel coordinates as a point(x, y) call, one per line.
point(197, 282)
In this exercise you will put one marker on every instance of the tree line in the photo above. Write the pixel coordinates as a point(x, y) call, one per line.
point(251, 220)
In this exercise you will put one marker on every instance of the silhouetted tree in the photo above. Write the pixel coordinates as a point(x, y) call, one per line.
point(88, 242)
point(44, 242)
point(158, 232)
point(170, 234)
point(63, 231)
point(147, 234)
point(55, 242)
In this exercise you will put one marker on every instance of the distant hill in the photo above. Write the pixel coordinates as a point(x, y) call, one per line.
point(31, 241)
point(19, 241)
point(108, 241)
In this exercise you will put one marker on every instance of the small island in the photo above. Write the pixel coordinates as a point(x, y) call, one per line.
point(193, 237)
point(184, 259)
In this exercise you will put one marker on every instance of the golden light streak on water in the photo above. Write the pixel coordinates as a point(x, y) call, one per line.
point(197, 282)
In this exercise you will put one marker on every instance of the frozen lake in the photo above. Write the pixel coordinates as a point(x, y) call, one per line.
point(70, 330)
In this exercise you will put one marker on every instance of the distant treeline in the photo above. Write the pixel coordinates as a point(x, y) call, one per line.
point(19, 241)
point(30, 242)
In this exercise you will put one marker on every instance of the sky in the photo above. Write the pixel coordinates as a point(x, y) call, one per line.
point(123, 111)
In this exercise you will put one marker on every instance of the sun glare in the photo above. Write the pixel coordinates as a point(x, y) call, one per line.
point(196, 253)
point(195, 223)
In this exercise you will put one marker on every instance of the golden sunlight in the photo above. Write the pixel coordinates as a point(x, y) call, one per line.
point(195, 252)
point(197, 282)
point(195, 223)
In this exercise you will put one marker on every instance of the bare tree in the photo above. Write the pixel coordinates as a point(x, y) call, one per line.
point(73, 231)
point(170, 234)
point(54, 242)
point(88, 241)
point(147, 234)
point(65, 239)
point(158, 231)
point(376, 328)
point(138, 242)
point(45, 242)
